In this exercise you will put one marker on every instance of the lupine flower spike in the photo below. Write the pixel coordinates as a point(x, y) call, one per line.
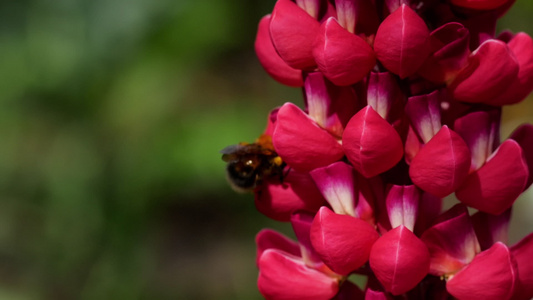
point(401, 108)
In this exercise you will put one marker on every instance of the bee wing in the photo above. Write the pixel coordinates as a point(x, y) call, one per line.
point(231, 149)
point(232, 152)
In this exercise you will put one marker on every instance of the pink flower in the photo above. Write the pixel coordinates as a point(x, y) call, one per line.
point(394, 119)
point(280, 199)
point(288, 270)
point(371, 144)
point(442, 163)
point(498, 177)
point(490, 70)
point(293, 31)
point(343, 57)
point(329, 108)
point(449, 53)
point(399, 259)
point(402, 42)
point(273, 64)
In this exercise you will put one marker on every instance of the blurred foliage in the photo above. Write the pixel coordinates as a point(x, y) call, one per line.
point(112, 113)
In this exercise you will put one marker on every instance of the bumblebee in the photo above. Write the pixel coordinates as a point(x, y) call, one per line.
point(248, 164)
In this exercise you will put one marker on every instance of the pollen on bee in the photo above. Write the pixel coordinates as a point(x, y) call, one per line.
point(277, 161)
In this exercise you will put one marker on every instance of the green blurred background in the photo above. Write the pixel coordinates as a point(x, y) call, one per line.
point(112, 113)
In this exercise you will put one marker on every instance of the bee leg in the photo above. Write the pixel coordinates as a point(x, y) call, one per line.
point(284, 174)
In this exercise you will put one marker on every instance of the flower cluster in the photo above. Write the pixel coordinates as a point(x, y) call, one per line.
point(403, 102)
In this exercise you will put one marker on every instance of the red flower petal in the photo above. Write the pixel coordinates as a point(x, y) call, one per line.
point(402, 42)
point(492, 68)
point(498, 183)
point(343, 57)
point(293, 32)
point(347, 192)
point(399, 260)
point(402, 205)
point(491, 228)
point(522, 47)
point(452, 242)
point(295, 131)
point(270, 239)
point(271, 122)
point(449, 52)
point(491, 275)
point(301, 225)
point(278, 200)
point(375, 295)
point(343, 242)
point(336, 182)
point(371, 144)
point(347, 13)
point(475, 129)
point(283, 276)
point(276, 67)
point(442, 165)
point(312, 7)
point(424, 113)
point(330, 106)
point(384, 95)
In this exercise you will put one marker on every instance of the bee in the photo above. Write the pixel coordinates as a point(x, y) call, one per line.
point(248, 164)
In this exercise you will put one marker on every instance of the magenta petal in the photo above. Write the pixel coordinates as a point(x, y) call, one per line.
point(523, 135)
point(347, 192)
point(301, 225)
point(490, 228)
point(271, 122)
point(343, 57)
point(402, 42)
point(522, 253)
point(276, 67)
point(522, 47)
point(492, 69)
point(413, 144)
point(475, 129)
point(270, 239)
point(452, 242)
point(384, 94)
point(293, 31)
point(312, 7)
point(449, 52)
point(375, 295)
point(498, 183)
point(399, 260)
point(278, 200)
point(294, 132)
point(336, 183)
point(329, 105)
point(343, 242)
point(479, 4)
point(442, 165)
point(283, 276)
point(346, 13)
point(491, 275)
point(424, 113)
point(402, 205)
point(371, 144)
